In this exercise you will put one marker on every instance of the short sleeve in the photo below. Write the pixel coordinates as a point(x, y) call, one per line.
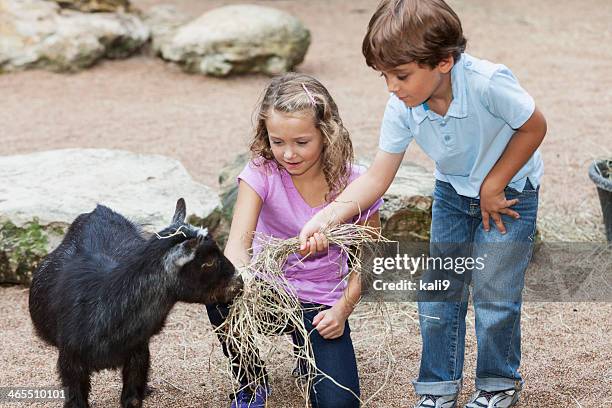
point(395, 135)
point(256, 177)
point(367, 212)
point(507, 100)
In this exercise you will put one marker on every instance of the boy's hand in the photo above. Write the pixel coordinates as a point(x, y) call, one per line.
point(311, 238)
point(493, 204)
point(330, 322)
point(314, 244)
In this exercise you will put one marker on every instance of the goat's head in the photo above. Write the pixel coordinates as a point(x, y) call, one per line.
point(204, 274)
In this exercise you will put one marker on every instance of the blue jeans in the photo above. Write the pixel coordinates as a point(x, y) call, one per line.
point(496, 292)
point(335, 357)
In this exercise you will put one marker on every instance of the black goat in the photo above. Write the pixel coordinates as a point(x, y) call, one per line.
point(102, 294)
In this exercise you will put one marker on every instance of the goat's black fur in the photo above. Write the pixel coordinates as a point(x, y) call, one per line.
point(102, 294)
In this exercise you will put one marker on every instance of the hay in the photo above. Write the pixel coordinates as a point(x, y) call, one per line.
point(268, 307)
point(177, 232)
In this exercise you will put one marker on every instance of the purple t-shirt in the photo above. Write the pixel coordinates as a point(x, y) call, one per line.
point(316, 279)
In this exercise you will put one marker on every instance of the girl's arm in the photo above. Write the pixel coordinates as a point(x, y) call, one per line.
point(244, 221)
point(521, 147)
point(359, 194)
point(330, 323)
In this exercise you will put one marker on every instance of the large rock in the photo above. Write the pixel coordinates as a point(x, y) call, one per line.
point(405, 215)
point(90, 6)
point(239, 39)
point(163, 22)
point(38, 34)
point(228, 188)
point(42, 193)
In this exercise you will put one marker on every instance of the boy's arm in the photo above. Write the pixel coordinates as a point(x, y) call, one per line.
point(244, 221)
point(521, 147)
point(358, 195)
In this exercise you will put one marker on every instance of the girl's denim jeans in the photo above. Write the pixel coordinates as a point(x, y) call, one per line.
point(496, 287)
point(334, 357)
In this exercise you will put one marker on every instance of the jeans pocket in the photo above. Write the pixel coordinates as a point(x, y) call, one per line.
point(528, 190)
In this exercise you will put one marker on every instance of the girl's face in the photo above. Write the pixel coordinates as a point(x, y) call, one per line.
point(295, 141)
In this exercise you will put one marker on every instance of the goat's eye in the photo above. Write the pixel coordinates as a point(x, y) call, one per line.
point(209, 263)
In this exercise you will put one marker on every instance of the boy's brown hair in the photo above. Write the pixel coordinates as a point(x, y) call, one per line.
point(405, 31)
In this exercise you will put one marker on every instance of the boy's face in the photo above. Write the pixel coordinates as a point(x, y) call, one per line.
point(414, 84)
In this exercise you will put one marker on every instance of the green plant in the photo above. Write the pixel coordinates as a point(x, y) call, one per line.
point(23, 247)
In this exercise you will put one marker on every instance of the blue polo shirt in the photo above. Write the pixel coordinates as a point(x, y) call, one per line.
point(488, 106)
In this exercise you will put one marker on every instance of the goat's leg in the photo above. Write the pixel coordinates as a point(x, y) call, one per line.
point(75, 377)
point(135, 375)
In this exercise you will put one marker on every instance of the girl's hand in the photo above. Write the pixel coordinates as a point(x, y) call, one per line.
point(330, 322)
point(493, 204)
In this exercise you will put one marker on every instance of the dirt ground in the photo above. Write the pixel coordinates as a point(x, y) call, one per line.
point(557, 48)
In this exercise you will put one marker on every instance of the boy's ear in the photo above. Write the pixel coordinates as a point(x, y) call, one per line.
point(446, 64)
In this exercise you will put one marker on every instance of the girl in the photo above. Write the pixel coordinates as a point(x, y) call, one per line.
point(301, 160)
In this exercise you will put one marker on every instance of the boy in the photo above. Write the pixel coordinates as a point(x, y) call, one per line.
point(482, 130)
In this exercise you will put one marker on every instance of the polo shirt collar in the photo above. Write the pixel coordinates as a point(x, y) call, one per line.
point(458, 106)
point(419, 113)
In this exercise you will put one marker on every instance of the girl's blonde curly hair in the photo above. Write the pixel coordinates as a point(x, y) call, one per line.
point(297, 93)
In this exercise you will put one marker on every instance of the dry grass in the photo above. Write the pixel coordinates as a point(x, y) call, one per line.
point(566, 354)
point(146, 106)
point(268, 306)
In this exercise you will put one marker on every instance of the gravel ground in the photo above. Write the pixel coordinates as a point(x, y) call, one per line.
point(566, 358)
point(144, 105)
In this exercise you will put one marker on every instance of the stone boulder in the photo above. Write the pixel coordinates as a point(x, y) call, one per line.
point(405, 215)
point(238, 39)
point(39, 34)
point(92, 6)
point(42, 193)
point(163, 21)
point(228, 188)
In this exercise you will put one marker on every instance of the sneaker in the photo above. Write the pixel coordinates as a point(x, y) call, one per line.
point(436, 401)
point(494, 399)
point(246, 398)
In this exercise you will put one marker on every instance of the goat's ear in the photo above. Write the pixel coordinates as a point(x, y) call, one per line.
point(180, 213)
